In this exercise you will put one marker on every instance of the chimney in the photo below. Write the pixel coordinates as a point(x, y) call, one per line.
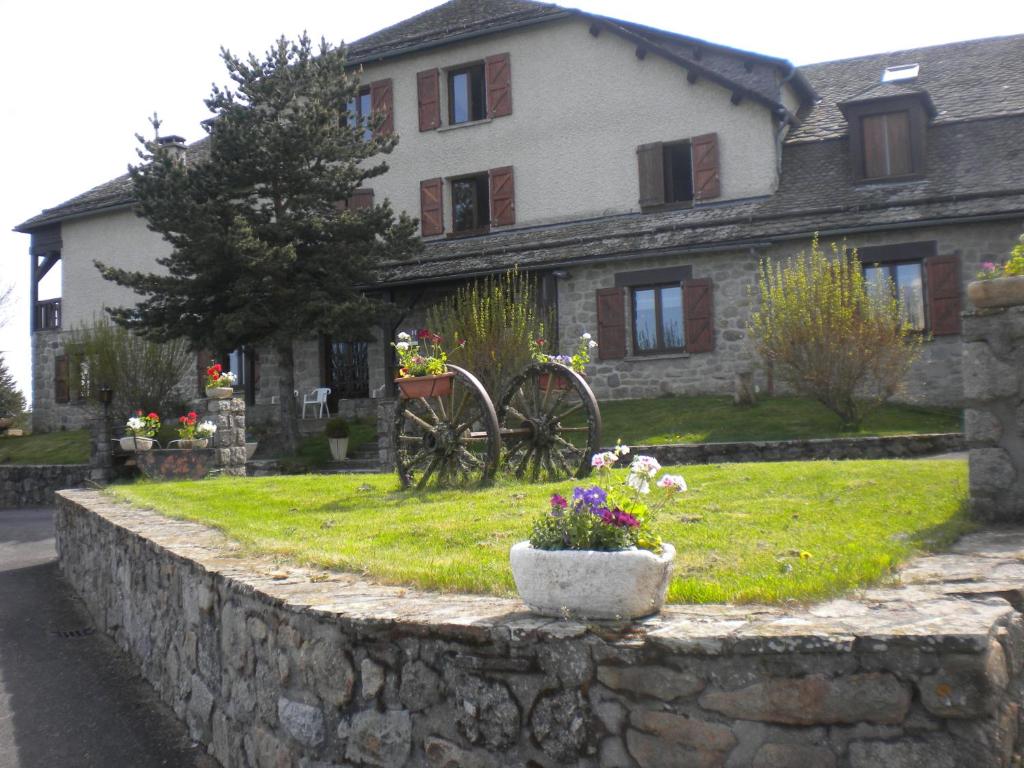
point(174, 146)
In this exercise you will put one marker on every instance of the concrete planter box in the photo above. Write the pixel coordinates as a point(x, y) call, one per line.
point(131, 443)
point(219, 393)
point(594, 585)
point(998, 292)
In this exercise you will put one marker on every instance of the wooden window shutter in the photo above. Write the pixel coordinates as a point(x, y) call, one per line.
point(651, 161)
point(361, 198)
point(498, 79)
point(503, 197)
point(61, 380)
point(706, 176)
point(428, 97)
point(943, 275)
point(382, 103)
point(431, 207)
point(699, 315)
point(611, 323)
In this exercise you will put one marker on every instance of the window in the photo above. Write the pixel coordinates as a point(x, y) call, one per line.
point(658, 319)
point(887, 145)
point(361, 109)
point(907, 279)
point(470, 209)
point(678, 173)
point(346, 370)
point(466, 94)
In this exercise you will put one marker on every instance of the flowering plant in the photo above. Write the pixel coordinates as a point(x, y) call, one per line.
point(422, 356)
point(216, 376)
point(141, 425)
point(1014, 267)
point(188, 429)
point(608, 516)
point(577, 361)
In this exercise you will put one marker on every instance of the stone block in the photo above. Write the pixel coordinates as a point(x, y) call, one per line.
point(420, 687)
point(654, 752)
point(991, 471)
point(981, 426)
point(372, 675)
point(485, 712)
point(687, 731)
point(815, 699)
point(793, 756)
point(442, 753)
point(986, 377)
point(660, 682)
point(966, 686)
point(381, 739)
point(613, 754)
point(931, 752)
point(303, 722)
point(560, 723)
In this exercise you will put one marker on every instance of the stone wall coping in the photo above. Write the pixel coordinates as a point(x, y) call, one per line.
point(954, 602)
point(13, 465)
point(810, 441)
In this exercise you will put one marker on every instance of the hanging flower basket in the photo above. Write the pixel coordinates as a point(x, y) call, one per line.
point(133, 443)
point(219, 393)
point(413, 387)
point(997, 292)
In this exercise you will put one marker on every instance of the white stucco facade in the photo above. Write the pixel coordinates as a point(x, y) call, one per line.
point(580, 107)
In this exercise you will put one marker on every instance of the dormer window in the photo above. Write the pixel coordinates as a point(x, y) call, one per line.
point(887, 145)
point(888, 125)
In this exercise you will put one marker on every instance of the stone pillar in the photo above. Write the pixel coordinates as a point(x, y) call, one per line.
point(101, 461)
point(385, 431)
point(229, 441)
point(993, 363)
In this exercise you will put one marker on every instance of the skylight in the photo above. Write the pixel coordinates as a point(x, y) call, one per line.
point(900, 72)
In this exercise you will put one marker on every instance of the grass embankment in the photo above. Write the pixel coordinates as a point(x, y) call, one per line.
point(47, 448)
point(744, 532)
point(709, 419)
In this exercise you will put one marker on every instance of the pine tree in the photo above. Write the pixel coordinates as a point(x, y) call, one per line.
point(264, 252)
point(12, 402)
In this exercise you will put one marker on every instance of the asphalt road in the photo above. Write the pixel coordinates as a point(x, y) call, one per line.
point(70, 701)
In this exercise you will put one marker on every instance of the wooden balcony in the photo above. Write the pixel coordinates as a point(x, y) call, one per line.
point(46, 316)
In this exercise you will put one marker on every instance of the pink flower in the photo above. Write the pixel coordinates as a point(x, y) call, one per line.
point(672, 481)
point(558, 501)
point(988, 266)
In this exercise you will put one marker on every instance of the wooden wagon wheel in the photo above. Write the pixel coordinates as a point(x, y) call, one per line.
point(447, 440)
point(550, 423)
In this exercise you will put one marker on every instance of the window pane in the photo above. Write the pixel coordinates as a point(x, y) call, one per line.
point(645, 320)
point(464, 205)
point(460, 97)
point(886, 145)
point(910, 289)
point(897, 126)
point(678, 174)
point(672, 316)
point(876, 280)
point(365, 112)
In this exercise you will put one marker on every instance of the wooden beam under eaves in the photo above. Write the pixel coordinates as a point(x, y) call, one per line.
point(691, 76)
point(595, 30)
point(736, 98)
point(641, 52)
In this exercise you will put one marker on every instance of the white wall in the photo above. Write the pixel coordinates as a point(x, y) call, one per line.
point(119, 239)
point(580, 107)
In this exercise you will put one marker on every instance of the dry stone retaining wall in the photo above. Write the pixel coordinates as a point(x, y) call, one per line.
point(33, 485)
point(273, 666)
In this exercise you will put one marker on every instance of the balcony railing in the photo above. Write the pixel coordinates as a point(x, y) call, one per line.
point(47, 315)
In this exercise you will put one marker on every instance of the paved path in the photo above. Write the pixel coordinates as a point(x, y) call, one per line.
point(69, 702)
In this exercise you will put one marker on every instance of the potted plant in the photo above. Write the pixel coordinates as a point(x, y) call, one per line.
point(422, 371)
point(337, 432)
point(220, 384)
point(140, 429)
point(577, 361)
point(192, 434)
point(594, 555)
point(1000, 285)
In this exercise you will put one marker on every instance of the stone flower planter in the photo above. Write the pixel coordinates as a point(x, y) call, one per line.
point(197, 442)
point(997, 292)
point(339, 447)
point(250, 449)
point(219, 393)
point(594, 585)
point(132, 443)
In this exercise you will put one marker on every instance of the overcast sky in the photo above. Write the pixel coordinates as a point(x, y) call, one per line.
point(81, 79)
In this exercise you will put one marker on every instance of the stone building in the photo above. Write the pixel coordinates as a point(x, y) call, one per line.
point(641, 175)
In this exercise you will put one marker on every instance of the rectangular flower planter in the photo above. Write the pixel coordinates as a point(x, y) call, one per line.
point(413, 387)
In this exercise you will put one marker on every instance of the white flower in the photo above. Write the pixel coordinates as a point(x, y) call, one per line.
point(645, 465)
point(591, 344)
point(639, 481)
point(586, 336)
point(672, 481)
point(605, 459)
point(206, 429)
point(402, 346)
point(228, 379)
point(135, 423)
point(621, 449)
point(403, 336)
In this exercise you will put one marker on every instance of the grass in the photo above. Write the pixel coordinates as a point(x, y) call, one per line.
point(744, 532)
point(709, 419)
point(47, 448)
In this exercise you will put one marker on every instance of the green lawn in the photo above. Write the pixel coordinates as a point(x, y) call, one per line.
point(48, 448)
point(709, 419)
point(744, 532)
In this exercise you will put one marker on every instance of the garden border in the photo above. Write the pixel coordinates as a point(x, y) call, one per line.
point(270, 664)
point(33, 485)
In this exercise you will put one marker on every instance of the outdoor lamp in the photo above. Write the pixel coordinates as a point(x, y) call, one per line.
point(106, 395)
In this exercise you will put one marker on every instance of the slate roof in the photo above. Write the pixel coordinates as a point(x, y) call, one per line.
point(966, 80)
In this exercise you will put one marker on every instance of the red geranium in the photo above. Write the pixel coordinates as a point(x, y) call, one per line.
point(423, 333)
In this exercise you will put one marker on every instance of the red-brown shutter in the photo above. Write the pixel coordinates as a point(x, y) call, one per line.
point(699, 311)
point(361, 198)
point(651, 163)
point(431, 207)
point(428, 96)
point(498, 78)
point(61, 382)
point(943, 275)
point(382, 103)
point(611, 324)
point(503, 197)
point(706, 177)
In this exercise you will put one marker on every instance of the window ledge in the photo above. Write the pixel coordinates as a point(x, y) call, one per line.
point(662, 356)
point(682, 205)
point(468, 233)
point(456, 126)
point(891, 180)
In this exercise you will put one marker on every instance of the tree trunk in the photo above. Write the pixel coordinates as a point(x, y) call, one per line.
point(286, 397)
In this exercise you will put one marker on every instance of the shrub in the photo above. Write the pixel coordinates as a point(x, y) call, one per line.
point(12, 402)
point(498, 320)
point(336, 428)
point(829, 336)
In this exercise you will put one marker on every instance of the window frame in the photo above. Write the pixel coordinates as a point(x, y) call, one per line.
point(659, 348)
point(890, 266)
point(361, 119)
point(666, 169)
point(906, 153)
point(918, 112)
point(469, 68)
point(482, 183)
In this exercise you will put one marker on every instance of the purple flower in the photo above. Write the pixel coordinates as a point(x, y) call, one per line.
point(558, 501)
point(593, 497)
point(625, 520)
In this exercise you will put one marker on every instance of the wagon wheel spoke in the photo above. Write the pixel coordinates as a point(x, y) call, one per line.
point(428, 472)
point(570, 411)
point(433, 415)
point(410, 415)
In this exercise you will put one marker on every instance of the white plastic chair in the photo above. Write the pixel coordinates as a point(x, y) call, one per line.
point(317, 397)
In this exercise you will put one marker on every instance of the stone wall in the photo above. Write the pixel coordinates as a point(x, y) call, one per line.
point(994, 417)
point(228, 442)
point(47, 414)
point(33, 485)
point(286, 666)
